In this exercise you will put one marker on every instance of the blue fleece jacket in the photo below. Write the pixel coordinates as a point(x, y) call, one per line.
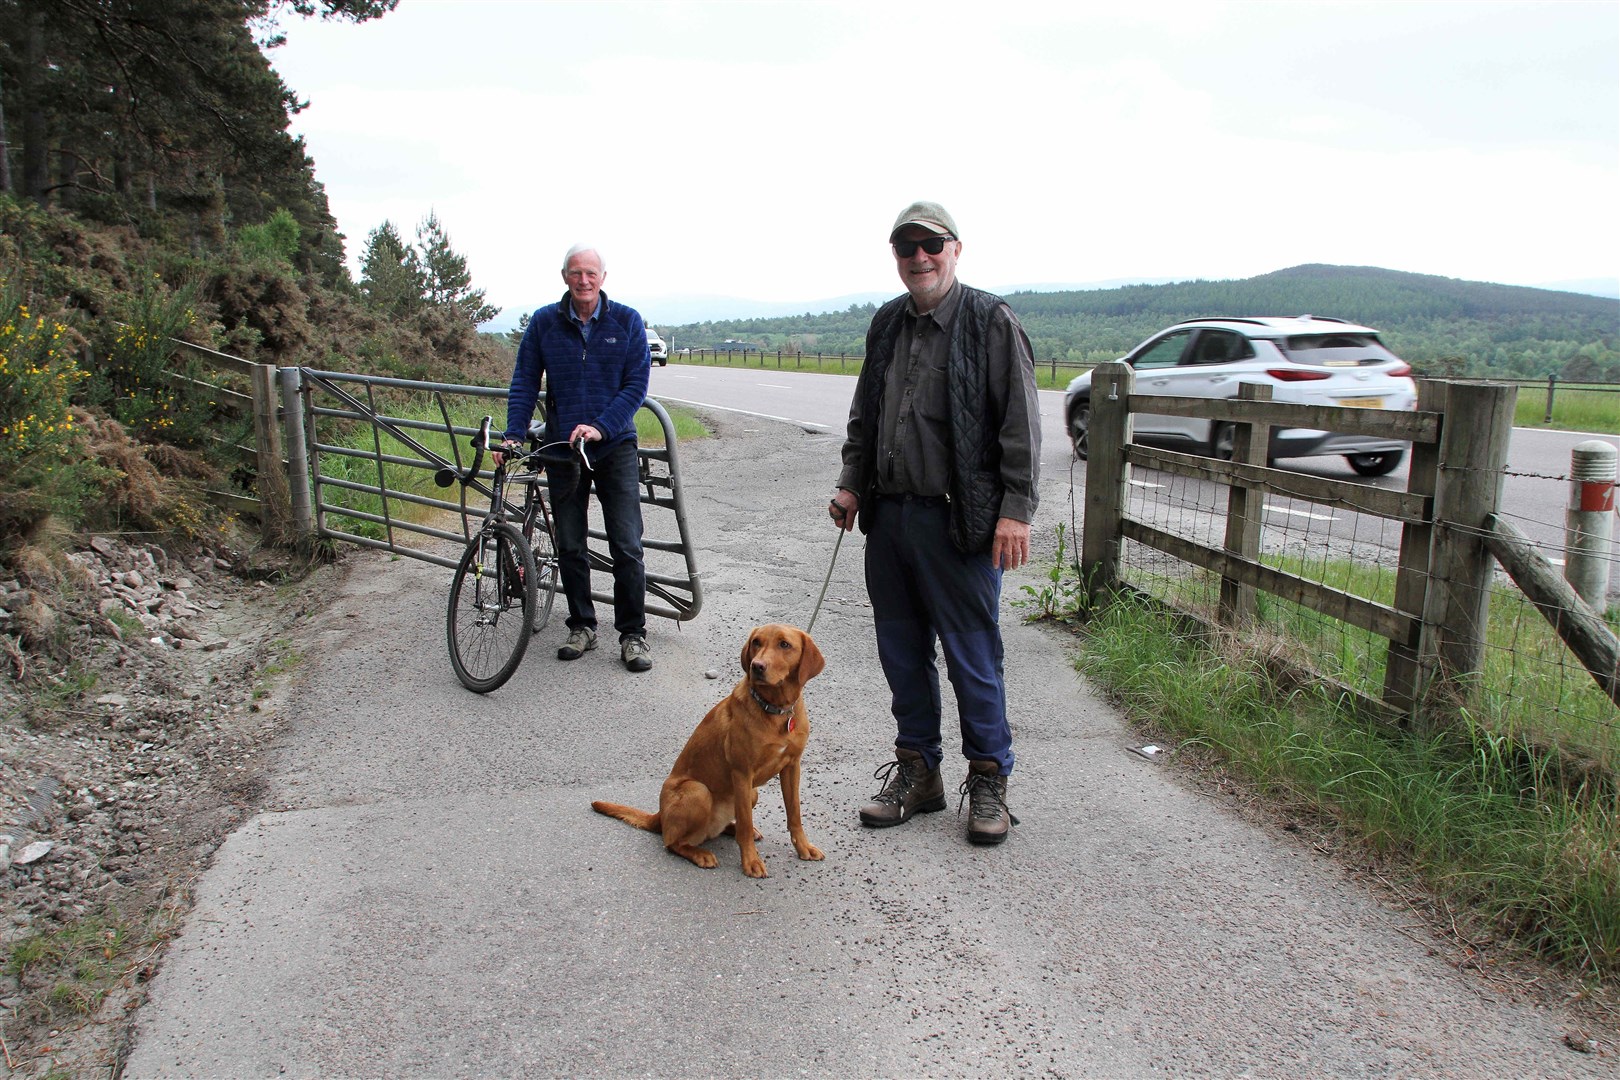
point(600, 382)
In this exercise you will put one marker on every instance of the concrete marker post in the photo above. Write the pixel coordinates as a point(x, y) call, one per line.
point(1589, 521)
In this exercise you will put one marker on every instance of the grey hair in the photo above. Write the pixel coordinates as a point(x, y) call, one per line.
point(580, 249)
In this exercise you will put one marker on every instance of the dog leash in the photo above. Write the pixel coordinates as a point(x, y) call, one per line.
point(828, 580)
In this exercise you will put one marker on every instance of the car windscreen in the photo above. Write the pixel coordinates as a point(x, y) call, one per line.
point(1336, 350)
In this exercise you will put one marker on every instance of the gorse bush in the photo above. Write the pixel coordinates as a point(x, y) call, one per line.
point(40, 470)
point(38, 376)
point(145, 386)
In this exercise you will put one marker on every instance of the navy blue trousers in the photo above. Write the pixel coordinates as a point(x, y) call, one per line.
point(616, 477)
point(924, 591)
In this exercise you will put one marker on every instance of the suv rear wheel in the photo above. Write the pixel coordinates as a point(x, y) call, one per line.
point(1079, 425)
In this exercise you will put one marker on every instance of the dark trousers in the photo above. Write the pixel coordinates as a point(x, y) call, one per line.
point(923, 590)
point(615, 477)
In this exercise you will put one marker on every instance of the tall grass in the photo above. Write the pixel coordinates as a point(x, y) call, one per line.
point(1483, 818)
point(1532, 686)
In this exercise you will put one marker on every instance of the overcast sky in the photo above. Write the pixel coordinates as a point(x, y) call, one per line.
point(761, 150)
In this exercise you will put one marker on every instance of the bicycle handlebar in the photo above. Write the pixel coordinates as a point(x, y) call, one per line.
point(509, 451)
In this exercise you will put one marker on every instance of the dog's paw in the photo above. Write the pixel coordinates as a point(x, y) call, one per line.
point(695, 855)
point(755, 867)
point(809, 852)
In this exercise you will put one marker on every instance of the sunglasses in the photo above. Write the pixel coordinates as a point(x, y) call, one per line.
point(905, 249)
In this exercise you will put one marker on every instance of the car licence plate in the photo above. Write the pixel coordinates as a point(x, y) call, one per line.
point(1362, 402)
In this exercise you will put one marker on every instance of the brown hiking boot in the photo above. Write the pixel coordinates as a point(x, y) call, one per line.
point(910, 787)
point(985, 791)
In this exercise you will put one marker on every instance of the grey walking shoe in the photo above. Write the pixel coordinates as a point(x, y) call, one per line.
point(985, 791)
point(910, 787)
point(581, 640)
point(636, 653)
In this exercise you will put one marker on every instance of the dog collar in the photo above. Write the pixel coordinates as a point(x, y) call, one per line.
point(774, 710)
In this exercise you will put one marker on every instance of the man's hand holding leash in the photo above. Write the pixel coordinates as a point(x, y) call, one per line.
point(842, 509)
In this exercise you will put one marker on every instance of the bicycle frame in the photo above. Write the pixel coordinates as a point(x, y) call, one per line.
point(501, 509)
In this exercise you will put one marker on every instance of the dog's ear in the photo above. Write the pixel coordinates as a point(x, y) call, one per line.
point(748, 649)
point(811, 662)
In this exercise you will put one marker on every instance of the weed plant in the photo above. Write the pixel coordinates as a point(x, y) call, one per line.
point(67, 971)
point(1477, 815)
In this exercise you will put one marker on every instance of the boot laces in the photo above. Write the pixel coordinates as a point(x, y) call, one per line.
point(985, 795)
point(898, 779)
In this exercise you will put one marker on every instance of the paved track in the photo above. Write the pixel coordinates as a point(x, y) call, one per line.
point(428, 893)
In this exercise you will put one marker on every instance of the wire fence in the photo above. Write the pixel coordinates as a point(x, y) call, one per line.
point(1533, 687)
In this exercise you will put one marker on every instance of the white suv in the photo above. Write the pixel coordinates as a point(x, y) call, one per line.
point(656, 348)
point(1310, 360)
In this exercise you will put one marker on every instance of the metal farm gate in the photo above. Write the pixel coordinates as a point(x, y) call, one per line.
point(362, 451)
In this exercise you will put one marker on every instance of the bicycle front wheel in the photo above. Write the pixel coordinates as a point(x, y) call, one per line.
point(492, 606)
point(546, 575)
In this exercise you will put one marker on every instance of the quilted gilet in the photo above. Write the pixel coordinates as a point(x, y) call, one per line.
point(975, 487)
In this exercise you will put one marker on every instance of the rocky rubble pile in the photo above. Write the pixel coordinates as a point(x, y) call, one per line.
point(128, 750)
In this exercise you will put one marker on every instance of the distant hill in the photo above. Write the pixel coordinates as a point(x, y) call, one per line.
point(1609, 287)
point(1442, 325)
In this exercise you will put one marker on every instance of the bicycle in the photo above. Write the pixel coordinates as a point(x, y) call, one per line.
point(508, 575)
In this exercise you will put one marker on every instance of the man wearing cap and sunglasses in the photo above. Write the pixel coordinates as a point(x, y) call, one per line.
point(940, 468)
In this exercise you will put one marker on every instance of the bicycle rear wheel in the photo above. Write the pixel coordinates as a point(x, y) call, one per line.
point(492, 606)
point(546, 575)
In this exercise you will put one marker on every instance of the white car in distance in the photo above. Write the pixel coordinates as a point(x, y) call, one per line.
point(656, 348)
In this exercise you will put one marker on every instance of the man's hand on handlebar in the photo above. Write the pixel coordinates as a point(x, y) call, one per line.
point(507, 448)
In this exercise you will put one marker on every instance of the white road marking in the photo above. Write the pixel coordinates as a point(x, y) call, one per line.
point(808, 425)
point(1270, 508)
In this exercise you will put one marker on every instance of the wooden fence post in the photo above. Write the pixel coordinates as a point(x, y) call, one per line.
point(1107, 478)
point(297, 447)
point(1244, 509)
point(274, 510)
point(1474, 437)
point(1403, 670)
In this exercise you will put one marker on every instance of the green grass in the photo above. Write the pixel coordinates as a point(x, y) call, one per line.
point(1481, 818)
point(1533, 687)
point(1574, 409)
point(68, 970)
point(826, 364)
point(1047, 375)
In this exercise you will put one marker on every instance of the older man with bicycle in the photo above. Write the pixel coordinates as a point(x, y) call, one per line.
point(592, 354)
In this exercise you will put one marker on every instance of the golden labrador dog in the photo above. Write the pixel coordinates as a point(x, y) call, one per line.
point(756, 732)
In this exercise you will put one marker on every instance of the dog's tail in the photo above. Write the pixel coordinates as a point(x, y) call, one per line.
point(629, 815)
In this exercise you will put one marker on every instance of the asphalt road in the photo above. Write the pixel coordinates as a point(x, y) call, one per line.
point(1533, 495)
point(427, 892)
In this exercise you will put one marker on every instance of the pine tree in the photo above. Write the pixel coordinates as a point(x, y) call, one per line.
point(391, 276)
point(445, 278)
